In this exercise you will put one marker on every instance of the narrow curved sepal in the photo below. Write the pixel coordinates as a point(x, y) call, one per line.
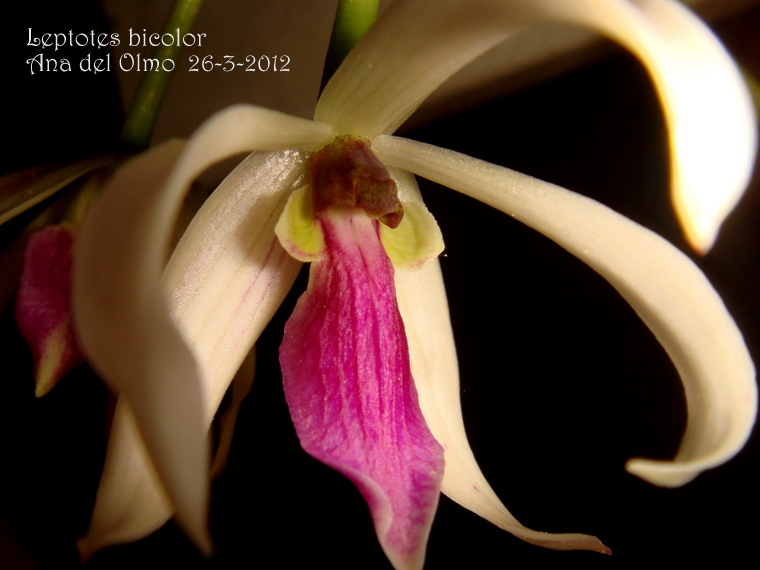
point(403, 58)
point(712, 123)
point(670, 294)
point(131, 501)
point(241, 386)
point(423, 306)
point(350, 391)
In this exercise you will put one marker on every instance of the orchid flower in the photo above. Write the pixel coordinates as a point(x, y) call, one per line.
point(170, 337)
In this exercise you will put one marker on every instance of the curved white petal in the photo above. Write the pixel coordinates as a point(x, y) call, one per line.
point(224, 281)
point(242, 129)
point(708, 107)
point(414, 47)
point(131, 502)
point(670, 294)
point(422, 301)
point(121, 309)
point(229, 274)
point(127, 333)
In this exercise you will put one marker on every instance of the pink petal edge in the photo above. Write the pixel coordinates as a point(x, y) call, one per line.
point(348, 384)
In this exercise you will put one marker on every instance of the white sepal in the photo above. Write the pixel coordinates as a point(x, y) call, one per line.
point(229, 274)
point(670, 294)
point(131, 502)
point(422, 301)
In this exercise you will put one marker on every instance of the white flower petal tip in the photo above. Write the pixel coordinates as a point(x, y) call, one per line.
point(722, 412)
point(707, 105)
point(670, 294)
point(713, 135)
point(483, 501)
point(131, 502)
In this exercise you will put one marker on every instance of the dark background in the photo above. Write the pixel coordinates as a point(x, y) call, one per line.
point(561, 382)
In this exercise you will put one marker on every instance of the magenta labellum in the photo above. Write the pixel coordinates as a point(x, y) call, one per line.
point(348, 384)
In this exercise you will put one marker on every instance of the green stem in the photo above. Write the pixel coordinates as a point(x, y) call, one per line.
point(352, 20)
point(138, 125)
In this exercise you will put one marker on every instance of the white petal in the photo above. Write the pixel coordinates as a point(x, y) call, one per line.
point(422, 301)
point(122, 312)
point(414, 47)
point(229, 274)
point(131, 502)
point(670, 294)
point(127, 333)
